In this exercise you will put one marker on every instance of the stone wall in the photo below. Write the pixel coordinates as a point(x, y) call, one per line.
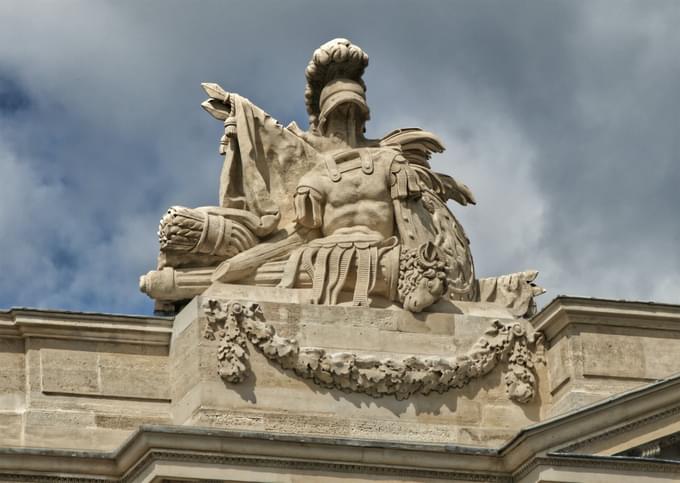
point(88, 381)
point(598, 348)
point(75, 380)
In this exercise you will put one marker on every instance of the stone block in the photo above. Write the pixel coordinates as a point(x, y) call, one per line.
point(59, 418)
point(613, 355)
point(660, 353)
point(125, 371)
point(184, 365)
point(559, 363)
point(598, 348)
point(13, 374)
point(84, 429)
point(134, 375)
point(69, 371)
point(425, 323)
point(574, 399)
point(127, 422)
point(505, 416)
point(10, 428)
point(382, 319)
point(335, 337)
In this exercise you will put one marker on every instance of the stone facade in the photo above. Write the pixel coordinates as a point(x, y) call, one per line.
point(120, 398)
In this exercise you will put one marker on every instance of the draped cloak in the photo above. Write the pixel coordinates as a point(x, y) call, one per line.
point(263, 164)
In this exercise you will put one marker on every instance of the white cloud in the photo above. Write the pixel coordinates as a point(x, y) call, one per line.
point(562, 117)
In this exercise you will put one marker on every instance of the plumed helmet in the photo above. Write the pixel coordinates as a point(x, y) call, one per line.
point(343, 62)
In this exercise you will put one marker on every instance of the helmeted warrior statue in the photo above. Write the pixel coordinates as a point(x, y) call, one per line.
point(352, 220)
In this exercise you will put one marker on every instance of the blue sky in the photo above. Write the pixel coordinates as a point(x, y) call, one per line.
point(562, 116)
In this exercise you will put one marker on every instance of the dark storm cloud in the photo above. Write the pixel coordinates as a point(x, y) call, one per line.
point(12, 97)
point(562, 117)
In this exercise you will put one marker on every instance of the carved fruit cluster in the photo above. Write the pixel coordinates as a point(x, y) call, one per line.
point(419, 265)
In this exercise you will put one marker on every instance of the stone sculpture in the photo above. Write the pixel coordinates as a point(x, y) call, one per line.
point(357, 221)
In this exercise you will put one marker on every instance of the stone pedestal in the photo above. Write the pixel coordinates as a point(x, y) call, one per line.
point(277, 400)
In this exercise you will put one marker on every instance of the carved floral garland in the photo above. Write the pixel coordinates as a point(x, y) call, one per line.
point(234, 323)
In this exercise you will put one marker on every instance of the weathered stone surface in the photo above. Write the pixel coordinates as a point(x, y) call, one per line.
point(129, 371)
point(69, 371)
point(76, 380)
point(559, 363)
point(11, 428)
point(12, 374)
point(381, 372)
point(618, 355)
point(134, 375)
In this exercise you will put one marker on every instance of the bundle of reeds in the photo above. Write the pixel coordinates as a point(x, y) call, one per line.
point(199, 232)
point(180, 229)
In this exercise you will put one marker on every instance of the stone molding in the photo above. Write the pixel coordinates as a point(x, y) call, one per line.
point(551, 460)
point(583, 462)
point(562, 311)
point(197, 446)
point(233, 323)
point(194, 446)
point(561, 461)
point(356, 469)
point(619, 430)
point(574, 430)
point(53, 324)
point(41, 478)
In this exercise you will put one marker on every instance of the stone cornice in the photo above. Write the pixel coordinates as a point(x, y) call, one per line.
point(551, 460)
point(54, 324)
point(563, 311)
point(532, 447)
point(601, 420)
point(590, 462)
point(314, 450)
point(625, 428)
point(211, 446)
point(357, 469)
point(218, 447)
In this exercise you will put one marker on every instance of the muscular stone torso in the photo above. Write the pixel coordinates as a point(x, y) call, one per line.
point(358, 202)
